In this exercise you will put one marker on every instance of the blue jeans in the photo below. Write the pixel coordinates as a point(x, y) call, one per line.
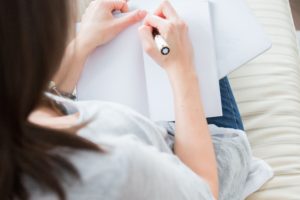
point(231, 116)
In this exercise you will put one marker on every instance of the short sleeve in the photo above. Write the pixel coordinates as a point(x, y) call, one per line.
point(156, 175)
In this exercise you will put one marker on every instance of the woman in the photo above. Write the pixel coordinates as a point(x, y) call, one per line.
point(55, 148)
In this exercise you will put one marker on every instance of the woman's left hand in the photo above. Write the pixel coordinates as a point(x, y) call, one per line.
point(99, 25)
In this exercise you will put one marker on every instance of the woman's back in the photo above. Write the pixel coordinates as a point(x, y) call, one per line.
point(139, 163)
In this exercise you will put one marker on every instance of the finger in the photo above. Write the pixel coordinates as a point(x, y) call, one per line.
point(155, 21)
point(130, 18)
point(166, 10)
point(113, 5)
point(124, 8)
point(145, 33)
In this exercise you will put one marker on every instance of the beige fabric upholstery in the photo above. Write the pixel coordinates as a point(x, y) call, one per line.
point(268, 94)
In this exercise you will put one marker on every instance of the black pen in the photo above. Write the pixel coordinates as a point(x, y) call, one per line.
point(160, 42)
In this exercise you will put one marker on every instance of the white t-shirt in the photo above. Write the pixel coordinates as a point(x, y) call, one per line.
point(139, 164)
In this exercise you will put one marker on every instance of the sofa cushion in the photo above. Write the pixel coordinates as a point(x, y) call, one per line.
point(268, 94)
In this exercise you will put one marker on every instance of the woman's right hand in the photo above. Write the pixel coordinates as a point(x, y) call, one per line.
point(193, 144)
point(175, 31)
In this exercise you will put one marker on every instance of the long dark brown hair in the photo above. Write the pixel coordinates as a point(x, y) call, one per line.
point(33, 37)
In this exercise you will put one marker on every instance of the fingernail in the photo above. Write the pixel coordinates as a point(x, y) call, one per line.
point(142, 13)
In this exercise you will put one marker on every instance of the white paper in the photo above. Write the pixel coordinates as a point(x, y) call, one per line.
point(196, 14)
point(238, 36)
point(115, 72)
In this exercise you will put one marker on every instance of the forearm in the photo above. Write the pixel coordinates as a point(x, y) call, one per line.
point(193, 144)
point(71, 67)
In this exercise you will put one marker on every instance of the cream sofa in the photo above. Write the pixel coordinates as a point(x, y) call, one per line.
point(268, 94)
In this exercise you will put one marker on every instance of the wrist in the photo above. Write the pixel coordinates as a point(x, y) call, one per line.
point(182, 78)
point(82, 47)
point(178, 71)
point(71, 67)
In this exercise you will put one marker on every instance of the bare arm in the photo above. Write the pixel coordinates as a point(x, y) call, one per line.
point(71, 67)
point(193, 143)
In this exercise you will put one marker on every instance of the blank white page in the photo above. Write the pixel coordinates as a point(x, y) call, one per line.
point(196, 14)
point(238, 35)
point(115, 72)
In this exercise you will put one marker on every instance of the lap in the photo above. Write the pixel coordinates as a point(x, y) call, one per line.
point(231, 116)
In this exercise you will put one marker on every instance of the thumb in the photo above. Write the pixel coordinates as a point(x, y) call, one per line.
point(129, 18)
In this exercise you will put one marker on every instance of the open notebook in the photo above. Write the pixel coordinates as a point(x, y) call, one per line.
point(239, 37)
point(121, 72)
point(225, 35)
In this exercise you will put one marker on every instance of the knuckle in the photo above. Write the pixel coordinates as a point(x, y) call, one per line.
point(182, 25)
point(171, 27)
point(135, 17)
point(148, 48)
